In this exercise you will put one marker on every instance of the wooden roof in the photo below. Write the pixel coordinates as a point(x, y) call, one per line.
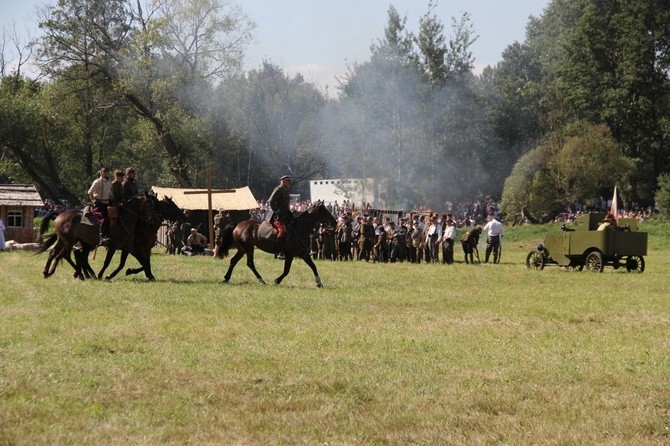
point(231, 199)
point(20, 195)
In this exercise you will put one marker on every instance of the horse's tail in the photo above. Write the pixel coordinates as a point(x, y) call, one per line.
point(226, 241)
point(44, 225)
point(46, 244)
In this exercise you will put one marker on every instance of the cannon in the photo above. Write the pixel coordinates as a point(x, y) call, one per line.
point(585, 247)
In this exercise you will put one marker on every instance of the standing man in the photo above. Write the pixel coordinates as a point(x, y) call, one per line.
point(494, 232)
point(448, 241)
point(221, 220)
point(100, 194)
point(129, 186)
point(280, 200)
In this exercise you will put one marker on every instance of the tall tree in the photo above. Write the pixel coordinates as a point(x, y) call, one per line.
point(153, 58)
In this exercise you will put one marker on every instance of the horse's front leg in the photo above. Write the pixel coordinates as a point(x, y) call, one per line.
point(122, 263)
point(108, 258)
point(308, 260)
point(287, 268)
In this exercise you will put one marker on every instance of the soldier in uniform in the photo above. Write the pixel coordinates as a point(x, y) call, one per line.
point(367, 239)
point(129, 185)
point(280, 200)
point(221, 220)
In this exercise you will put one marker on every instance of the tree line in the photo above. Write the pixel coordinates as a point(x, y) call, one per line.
point(579, 106)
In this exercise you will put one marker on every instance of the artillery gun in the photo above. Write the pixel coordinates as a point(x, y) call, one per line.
point(585, 246)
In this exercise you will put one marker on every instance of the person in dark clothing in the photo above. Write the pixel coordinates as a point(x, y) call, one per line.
point(280, 200)
point(129, 185)
point(117, 187)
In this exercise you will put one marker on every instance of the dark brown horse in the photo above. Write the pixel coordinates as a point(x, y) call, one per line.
point(146, 235)
point(296, 242)
point(123, 232)
point(71, 227)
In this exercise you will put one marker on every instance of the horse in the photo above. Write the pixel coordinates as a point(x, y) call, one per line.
point(469, 241)
point(122, 233)
point(296, 242)
point(71, 227)
point(146, 235)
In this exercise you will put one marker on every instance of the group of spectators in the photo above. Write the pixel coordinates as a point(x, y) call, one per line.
point(418, 237)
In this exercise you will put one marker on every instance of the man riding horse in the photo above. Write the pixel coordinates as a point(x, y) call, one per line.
point(281, 211)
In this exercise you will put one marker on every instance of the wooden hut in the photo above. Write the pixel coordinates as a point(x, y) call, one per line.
point(18, 203)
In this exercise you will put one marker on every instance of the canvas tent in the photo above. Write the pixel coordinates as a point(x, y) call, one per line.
point(236, 200)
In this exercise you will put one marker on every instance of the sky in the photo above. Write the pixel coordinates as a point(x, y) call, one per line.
point(319, 38)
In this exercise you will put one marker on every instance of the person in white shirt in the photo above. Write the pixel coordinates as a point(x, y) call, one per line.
point(494, 232)
point(100, 194)
point(433, 238)
point(448, 241)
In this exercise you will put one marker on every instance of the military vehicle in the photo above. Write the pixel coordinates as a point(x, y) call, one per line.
point(585, 246)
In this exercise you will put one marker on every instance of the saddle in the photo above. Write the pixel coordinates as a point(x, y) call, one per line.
point(89, 218)
point(267, 232)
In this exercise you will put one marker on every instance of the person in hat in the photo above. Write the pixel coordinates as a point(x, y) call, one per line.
point(280, 200)
point(117, 187)
point(448, 238)
point(608, 223)
point(129, 185)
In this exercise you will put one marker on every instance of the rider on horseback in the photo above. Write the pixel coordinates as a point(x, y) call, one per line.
point(100, 194)
point(281, 212)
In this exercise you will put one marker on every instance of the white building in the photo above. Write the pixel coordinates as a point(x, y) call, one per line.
point(357, 191)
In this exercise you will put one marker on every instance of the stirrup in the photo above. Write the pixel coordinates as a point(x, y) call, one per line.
point(281, 256)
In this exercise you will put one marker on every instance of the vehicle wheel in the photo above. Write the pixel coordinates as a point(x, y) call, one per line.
point(594, 262)
point(574, 268)
point(635, 264)
point(535, 260)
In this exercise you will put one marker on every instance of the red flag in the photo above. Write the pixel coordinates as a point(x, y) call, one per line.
point(614, 207)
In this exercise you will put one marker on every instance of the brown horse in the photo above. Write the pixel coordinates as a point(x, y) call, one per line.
point(296, 242)
point(71, 227)
point(146, 235)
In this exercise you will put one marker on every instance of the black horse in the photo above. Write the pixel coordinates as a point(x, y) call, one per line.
point(296, 242)
point(123, 232)
point(146, 235)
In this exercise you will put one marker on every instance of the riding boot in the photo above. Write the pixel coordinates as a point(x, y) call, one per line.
point(104, 234)
point(278, 248)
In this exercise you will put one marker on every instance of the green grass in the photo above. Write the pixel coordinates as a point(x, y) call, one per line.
point(385, 354)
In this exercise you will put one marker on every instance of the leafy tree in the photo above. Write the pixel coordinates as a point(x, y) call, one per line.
point(154, 59)
point(586, 165)
point(278, 118)
point(663, 195)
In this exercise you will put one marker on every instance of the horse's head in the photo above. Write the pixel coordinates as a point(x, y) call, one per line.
point(147, 206)
point(320, 213)
point(168, 210)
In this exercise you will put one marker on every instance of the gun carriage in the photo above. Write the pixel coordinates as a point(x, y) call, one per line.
point(585, 247)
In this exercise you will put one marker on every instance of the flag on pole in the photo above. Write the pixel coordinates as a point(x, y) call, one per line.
point(614, 207)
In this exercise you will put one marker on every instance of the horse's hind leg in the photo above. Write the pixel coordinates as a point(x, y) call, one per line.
point(252, 267)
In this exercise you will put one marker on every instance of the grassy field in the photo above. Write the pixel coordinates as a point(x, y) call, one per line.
point(385, 354)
